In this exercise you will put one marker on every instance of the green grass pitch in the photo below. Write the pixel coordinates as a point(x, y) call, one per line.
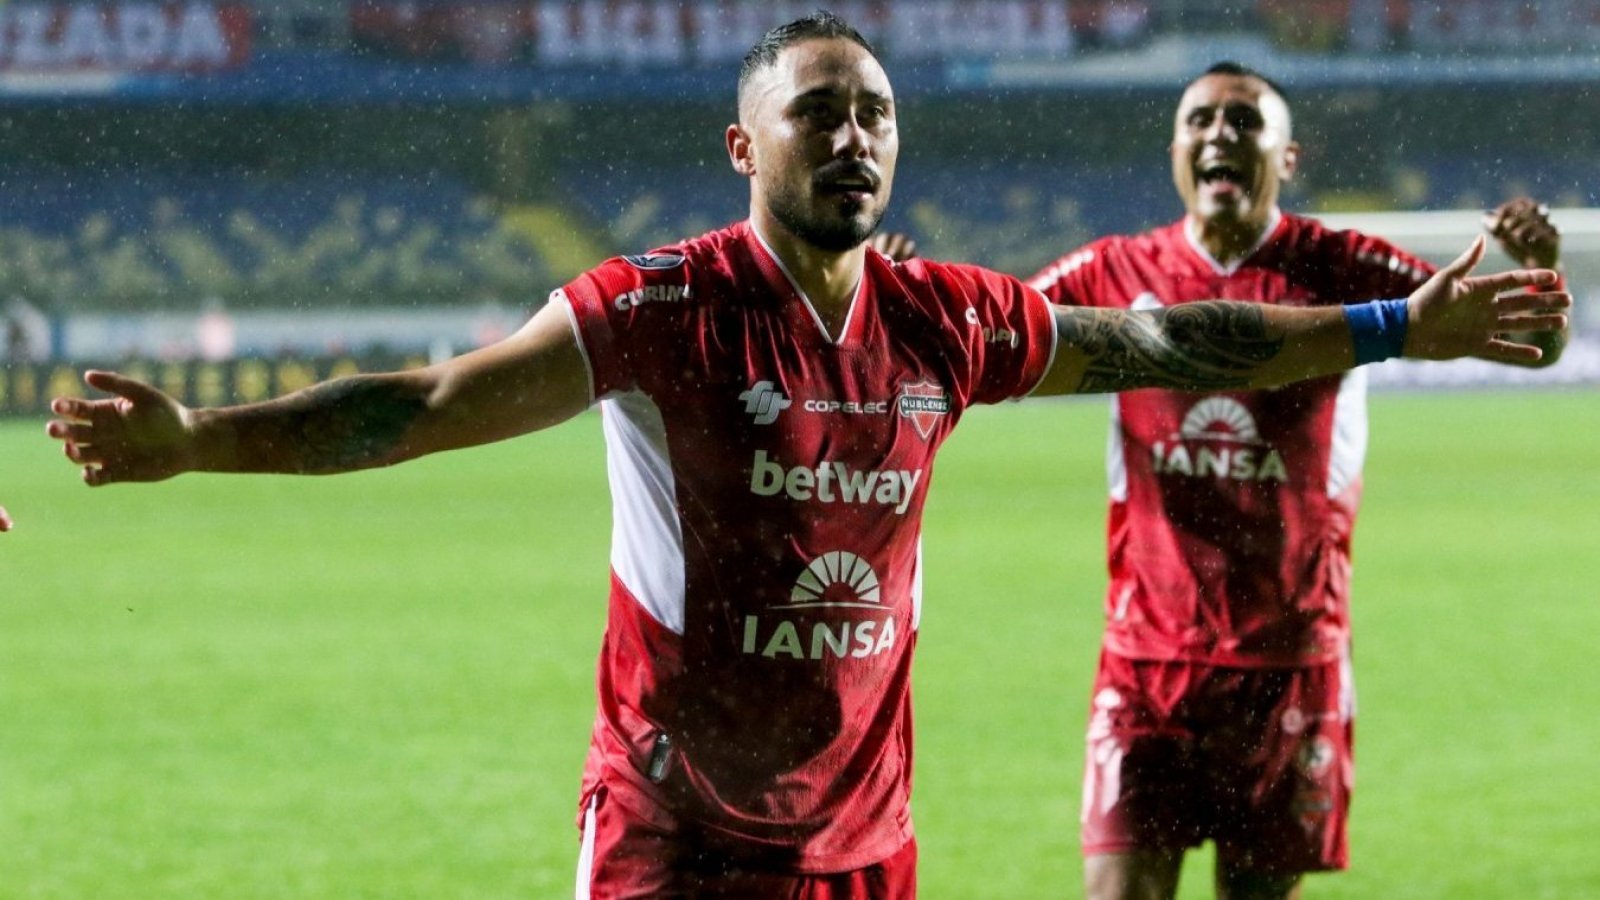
point(381, 685)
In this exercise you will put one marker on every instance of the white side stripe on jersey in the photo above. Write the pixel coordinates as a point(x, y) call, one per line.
point(1116, 465)
point(560, 296)
point(646, 535)
point(1349, 452)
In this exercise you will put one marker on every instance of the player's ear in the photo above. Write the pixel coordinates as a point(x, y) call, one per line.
point(741, 150)
point(1291, 161)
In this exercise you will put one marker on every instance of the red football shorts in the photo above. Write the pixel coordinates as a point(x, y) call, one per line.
point(1258, 760)
point(625, 856)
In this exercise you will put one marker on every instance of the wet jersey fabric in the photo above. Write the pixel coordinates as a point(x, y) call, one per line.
point(1231, 512)
point(767, 486)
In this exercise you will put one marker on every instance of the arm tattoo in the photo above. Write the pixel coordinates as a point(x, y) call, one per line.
point(1194, 346)
point(349, 423)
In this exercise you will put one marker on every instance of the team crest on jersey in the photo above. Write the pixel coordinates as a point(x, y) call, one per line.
point(654, 261)
point(924, 403)
point(1315, 756)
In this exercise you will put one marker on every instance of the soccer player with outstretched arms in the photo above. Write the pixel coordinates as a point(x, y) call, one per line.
point(773, 394)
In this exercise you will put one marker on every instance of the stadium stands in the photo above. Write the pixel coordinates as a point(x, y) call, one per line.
point(136, 238)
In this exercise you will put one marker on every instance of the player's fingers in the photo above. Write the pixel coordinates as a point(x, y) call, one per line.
point(1502, 350)
point(5, 520)
point(1509, 280)
point(1544, 300)
point(76, 408)
point(103, 474)
point(83, 454)
point(1461, 265)
point(137, 391)
point(1533, 322)
point(69, 431)
point(1529, 231)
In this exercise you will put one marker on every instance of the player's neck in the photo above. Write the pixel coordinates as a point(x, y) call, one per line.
point(827, 278)
point(1228, 241)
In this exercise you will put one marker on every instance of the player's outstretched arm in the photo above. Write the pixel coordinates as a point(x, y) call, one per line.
point(531, 380)
point(1524, 231)
point(1218, 345)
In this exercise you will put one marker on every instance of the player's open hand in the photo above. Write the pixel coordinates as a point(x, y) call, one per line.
point(140, 434)
point(1525, 232)
point(5, 520)
point(898, 247)
point(1459, 314)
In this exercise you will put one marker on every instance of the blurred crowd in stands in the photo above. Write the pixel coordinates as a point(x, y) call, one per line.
point(123, 241)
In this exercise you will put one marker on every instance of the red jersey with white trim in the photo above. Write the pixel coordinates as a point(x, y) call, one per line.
point(767, 488)
point(1231, 513)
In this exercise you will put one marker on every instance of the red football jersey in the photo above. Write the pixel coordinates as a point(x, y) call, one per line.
point(1231, 512)
point(767, 487)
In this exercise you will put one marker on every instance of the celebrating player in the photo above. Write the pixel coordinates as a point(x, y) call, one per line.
point(773, 395)
point(1223, 704)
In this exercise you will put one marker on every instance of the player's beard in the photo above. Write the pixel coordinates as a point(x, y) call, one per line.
point(819, 225)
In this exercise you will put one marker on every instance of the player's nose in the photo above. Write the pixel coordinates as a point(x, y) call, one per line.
point(851, 140)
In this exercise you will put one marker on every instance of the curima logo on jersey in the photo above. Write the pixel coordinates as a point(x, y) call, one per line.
point(835, 583)
point(1218, 439)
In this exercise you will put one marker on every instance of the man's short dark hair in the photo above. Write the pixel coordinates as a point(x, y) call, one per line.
point(1238, 69)
point(820, 24)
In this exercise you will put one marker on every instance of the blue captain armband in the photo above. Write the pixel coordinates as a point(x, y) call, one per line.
point(1377, 329)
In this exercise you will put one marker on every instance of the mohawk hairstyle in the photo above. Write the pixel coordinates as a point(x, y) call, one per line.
point(820, 24)
point(1229, 67)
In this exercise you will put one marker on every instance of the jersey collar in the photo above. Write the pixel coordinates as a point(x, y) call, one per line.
point(794, 285)
point(1191, 231)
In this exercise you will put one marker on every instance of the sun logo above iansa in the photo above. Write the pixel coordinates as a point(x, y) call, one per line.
point(837, 577)
point(1220, 419)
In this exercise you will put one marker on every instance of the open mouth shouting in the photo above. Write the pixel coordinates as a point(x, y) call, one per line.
point(1221, 177)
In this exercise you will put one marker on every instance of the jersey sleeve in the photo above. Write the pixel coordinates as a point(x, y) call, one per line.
point(1365, 268)
point(1007, 332)
point(616, 307)
point(1076, 279)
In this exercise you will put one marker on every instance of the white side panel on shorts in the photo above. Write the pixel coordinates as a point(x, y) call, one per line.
point(646, 536)
point(586, 854)
point(1349, 453)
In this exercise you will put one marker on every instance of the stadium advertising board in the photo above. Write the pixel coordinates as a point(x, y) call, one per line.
point(38, 38)
point(1431, 26)
point(714, 33)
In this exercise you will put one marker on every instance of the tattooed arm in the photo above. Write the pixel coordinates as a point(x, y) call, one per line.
point(532, 380)
point(1217, 345)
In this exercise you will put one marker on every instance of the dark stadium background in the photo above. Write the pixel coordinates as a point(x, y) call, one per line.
point(368, 182)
